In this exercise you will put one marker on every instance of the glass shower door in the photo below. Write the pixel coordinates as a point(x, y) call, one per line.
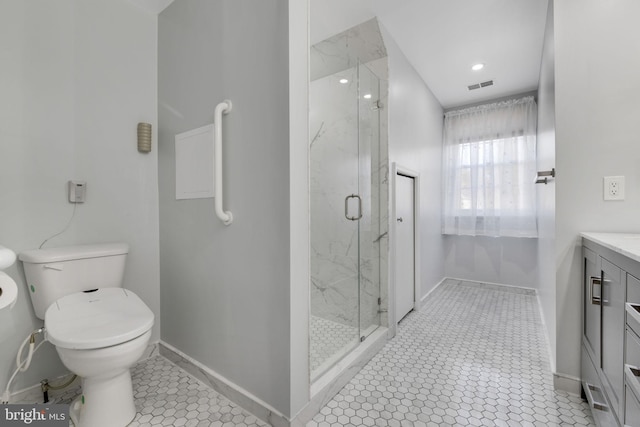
point(369, 179)
point(345, 219)
point(335, 256)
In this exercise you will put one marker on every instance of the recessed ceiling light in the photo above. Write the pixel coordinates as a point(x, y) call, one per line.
point(344, 81)
point(478, 67)
point(367, 96)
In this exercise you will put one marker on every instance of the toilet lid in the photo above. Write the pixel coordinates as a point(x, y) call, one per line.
point(97, 319)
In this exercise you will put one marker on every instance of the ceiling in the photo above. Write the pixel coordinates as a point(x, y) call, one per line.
point(152, 6)
point(443, 38)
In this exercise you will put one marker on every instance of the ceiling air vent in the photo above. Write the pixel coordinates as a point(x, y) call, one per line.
point(479, 85)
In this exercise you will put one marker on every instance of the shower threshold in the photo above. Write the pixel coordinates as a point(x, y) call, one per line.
point(330, 342)
point(331, 382)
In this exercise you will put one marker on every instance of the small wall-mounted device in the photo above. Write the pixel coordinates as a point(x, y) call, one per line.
point(77, 191)
point(144, 137)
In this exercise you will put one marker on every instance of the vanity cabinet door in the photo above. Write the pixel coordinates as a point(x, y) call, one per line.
point(633, 289)
point(632, 409)
point(613, 309)
point(592, 293)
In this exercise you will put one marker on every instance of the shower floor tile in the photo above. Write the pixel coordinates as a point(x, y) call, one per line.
point(473, 355)
point(166, 395)
point(329, 340)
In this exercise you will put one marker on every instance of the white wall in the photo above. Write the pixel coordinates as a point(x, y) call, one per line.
point(76, 78)
point(299, 203)
point(546, 193)
point(503, 260)
point(597, 88)
point(226, 290)
point(415, 142)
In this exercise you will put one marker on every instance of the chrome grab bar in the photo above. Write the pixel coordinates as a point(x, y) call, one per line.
point(346, 207)
point(222, 108)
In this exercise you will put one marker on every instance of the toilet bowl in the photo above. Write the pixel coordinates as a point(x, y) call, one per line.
point(99, 336)
point(99, 329)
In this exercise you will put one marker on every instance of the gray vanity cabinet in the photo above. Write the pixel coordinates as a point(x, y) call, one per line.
point(592, 298)
point(612, 352)
point(610, 360)
point(632, 354)
point(594, 383)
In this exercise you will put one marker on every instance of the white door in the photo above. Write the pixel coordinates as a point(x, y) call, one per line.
point(405, 247)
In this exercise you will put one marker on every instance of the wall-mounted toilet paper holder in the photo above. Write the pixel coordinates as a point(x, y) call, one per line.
point(8, 287)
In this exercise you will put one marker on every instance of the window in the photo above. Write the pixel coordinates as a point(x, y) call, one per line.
point(489, 170)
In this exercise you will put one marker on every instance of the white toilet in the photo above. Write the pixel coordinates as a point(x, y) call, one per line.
point(99, 329)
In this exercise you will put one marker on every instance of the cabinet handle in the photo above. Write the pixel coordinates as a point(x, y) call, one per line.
point(595, 405)
point(595, 300)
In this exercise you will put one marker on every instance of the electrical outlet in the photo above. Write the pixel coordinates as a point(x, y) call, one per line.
point(614, 187)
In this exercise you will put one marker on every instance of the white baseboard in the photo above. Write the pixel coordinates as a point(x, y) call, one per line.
point(424, 298)
point(567, 383)
point(552, 360)
point(225, 387)
point(534, 290)
point(444, 279)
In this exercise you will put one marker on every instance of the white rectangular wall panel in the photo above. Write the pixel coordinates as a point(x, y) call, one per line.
point(194, 164)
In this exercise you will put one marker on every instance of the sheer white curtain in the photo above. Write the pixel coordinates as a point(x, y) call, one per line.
point(489, 170)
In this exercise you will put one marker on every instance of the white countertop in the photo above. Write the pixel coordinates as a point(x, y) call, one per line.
point(627, 244)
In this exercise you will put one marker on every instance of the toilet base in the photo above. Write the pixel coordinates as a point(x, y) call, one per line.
point(104, 402)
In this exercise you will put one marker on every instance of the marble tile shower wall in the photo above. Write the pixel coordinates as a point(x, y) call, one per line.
point(360, 44)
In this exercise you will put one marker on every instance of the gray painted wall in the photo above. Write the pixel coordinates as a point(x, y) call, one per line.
point(225, 290)
point(415, 142)
point(76, 78)
point(597, 110)
point(547, 193)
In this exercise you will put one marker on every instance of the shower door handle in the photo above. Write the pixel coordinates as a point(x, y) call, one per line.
point(346, 207)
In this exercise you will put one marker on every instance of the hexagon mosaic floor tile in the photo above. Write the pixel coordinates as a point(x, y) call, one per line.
point(165, 395)
point(474, 355)
point(328, 338)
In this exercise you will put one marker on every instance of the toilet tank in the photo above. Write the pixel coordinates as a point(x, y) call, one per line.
point(56, 272)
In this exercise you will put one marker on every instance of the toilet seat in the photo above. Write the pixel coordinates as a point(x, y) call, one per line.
point(97, 319)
